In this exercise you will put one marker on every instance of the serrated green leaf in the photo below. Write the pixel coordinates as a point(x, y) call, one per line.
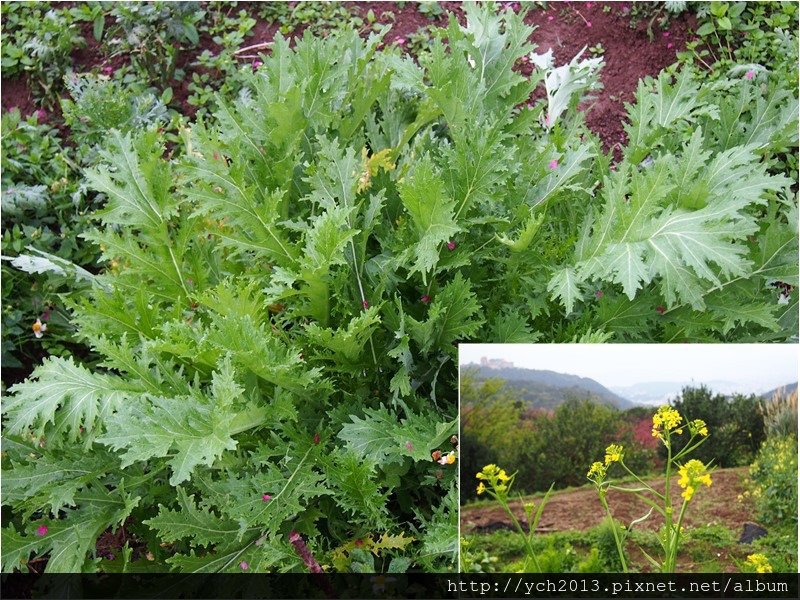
point(432, 213)
point(67, 395)
point(202, 527)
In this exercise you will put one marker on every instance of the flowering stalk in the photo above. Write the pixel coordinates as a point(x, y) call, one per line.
point(666, 423)
point(497, 483)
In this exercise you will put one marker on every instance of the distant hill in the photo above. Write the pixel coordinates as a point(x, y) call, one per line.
point(787, 389)
point(654, 393)
point(548, 389)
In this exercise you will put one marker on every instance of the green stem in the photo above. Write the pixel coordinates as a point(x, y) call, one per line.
point(668, 506)
point(525, 537)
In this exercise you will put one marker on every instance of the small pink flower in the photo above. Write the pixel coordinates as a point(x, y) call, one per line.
point(40, 115)
point(365, 304)
point(409, 446)
point(256, 64)
point(108, 70)
point(669, 45)
point(550, 18)
point(451, 245)
point(553, 164)
point(588, 23)
point(750, 74)
point(359, 542)
point(400, 41)
point(266, 497)
point(425, 299)
point(598, 294)
point(661, 310)
point(244, 565)
point(41, 530)
point(665, 34)
point(589, 4)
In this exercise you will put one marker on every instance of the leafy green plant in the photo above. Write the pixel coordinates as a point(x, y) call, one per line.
point(38, 41)
point(752, 36)
point(218, 72)
point(152, 36)
point(430, 9)
point(318, 17)
point(43, 208)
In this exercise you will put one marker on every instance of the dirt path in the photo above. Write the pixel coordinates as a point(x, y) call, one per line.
point(580, 509)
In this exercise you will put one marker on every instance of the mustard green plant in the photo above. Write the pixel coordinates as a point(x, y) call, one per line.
point(496, 483)
point(693, 474)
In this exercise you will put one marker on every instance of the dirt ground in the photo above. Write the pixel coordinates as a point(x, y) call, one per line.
point(580, 509)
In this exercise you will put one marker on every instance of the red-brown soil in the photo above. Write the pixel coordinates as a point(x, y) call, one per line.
point(580, 509)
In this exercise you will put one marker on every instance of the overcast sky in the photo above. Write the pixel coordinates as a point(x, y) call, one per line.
point(763, 366)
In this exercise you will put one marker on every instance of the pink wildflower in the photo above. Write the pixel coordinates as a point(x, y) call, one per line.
point(365, 304)
point(661, 310)
point(750, 74)
point(665, 34)
point(266, 497)
point(256, 64)
point(588, 23)
point(41, 530)
point(409, 446)
point(401, 41)
point(244, 565)
point(40, 115)
point(550, 18)
point(669, 45)
point(108, 70)
point(425, 299)
point(598, 294)
point(553, 164)
point(451, 245)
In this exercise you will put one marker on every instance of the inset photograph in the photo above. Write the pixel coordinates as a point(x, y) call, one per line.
point(590, 458)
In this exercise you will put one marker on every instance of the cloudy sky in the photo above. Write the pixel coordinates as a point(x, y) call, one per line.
point(755, 366)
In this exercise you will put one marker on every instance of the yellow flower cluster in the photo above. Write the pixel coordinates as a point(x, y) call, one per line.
point(666, 419)
point(692, 474)
point(760, 562)
point(698, 427)
point(597, 472)
point(614, 454)
point(496, 477)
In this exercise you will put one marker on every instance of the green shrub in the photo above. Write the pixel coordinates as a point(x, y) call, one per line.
point(603, 541)
point(736, 423)
point(773, 481)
